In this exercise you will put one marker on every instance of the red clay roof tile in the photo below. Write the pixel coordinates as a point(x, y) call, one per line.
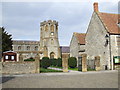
point(110, 21)
point(80, 37)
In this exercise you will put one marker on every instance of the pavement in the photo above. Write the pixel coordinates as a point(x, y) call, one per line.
point(91, 79)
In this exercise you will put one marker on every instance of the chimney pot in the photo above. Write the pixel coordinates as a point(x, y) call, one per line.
point(96, 6)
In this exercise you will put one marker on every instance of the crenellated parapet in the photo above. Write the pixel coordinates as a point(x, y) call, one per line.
point(49, 22)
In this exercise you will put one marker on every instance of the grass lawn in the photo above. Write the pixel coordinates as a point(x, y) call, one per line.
point(43, 70)
point(89, 69)
point(56, 67)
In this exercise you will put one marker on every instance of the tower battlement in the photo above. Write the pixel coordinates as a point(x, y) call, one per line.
point(53, 22)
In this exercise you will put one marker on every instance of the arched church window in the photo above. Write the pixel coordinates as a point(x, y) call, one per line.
point(52, 55)
point(28, 47)
point(52, 28)
point(46, 28)
point(36, 48)
point(19, 47)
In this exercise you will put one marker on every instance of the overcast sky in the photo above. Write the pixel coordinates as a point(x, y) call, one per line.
point(22, 19)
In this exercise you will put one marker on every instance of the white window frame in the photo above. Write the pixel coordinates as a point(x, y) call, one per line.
point(12, 57)
point(6, 57)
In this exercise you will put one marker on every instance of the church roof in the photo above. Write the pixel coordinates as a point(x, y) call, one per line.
point(110, 21)
point(80, 37)
point(65, 49)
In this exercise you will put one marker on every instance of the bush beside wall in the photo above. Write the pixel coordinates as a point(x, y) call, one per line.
point(45, 62)
point(72, 62)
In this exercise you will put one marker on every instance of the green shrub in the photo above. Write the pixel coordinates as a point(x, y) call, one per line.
point(72, 62)
point(56, 62)
point(59, 62)
point(45, 62)
point(53, 62)
point(30, 59)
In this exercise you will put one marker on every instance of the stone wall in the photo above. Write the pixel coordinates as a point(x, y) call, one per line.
point(115, 49)
point(24, 44)
point(74, 47)
point(95, 42)
point(81, 49)
point(65, 62)
point(19, 67)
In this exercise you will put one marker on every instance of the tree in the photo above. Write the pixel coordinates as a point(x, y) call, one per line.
point(6, 40)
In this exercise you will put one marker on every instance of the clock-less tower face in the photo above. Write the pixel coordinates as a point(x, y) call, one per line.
point(49, 43)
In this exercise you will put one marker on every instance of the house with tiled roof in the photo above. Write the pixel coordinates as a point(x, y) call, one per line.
point(77, 44)
point(103, 38)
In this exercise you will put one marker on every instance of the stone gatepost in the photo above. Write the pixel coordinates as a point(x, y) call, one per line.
point(37, 63)
point(20, 57)
point(84, 62)
point(65, 62)
point(97, 63)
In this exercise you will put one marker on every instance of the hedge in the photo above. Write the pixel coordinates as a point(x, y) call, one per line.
point(30, 59)
point(45, 62)
point(59, 63)
point(56, 62)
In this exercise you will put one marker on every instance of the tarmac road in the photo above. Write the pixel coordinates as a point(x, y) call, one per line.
point(100, 79)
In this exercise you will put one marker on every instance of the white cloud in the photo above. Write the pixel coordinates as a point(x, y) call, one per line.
point(23, 19)
point(0, 14)
point(59, 1)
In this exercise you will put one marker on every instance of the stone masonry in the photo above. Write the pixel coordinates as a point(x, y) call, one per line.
point(65, 62)
point(97, 63)
point(84, 62)
point(49, 43)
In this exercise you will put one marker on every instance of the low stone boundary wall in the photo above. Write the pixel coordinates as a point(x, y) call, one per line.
point(20, 67)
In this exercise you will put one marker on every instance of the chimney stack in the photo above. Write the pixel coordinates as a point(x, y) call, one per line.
point(96, 7)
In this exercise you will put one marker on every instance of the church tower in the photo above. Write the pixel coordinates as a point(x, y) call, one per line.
point(49, 43)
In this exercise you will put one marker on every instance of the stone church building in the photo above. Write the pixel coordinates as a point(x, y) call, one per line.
point(103, 37)
point(48, 46)
point(77, 44)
